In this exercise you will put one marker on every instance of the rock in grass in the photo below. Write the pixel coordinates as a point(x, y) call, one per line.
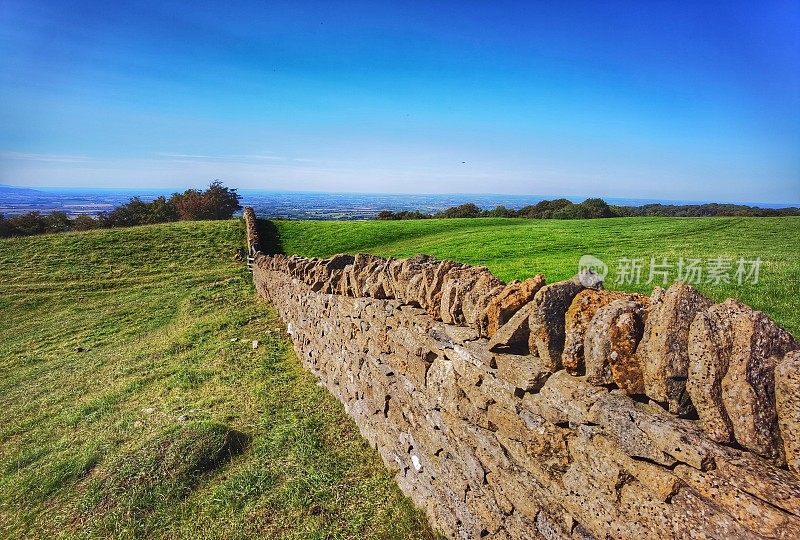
point(168, 465)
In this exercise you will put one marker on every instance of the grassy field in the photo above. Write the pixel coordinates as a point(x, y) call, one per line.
point(133, 404)
point(519, 248)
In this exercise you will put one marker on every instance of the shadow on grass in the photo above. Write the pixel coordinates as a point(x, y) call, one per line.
point(269, 238)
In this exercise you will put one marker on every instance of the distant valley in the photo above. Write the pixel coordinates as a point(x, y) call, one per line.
point(286, 205)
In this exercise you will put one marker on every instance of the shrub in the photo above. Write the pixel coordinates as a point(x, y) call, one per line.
point(57, 222)
point(545, 209)
point(468, 210)
point(84, 223)
point(500, 211)
point(216, 202)
point(6, 228)
point(28, 224)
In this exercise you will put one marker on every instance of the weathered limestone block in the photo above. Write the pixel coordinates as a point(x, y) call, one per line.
point(457, 283)
point(505, 304)
point(489, 519)
point(646, 431)
point(577, 319)
point(513, 336)
point(754, 514)
point(546, 321)
point(693, 517)
point(638, 507)
point(709, 348)
point(610, 346)
point(502, 392)
point(592, 481)
point(663, 352)
point(551, 528)
point(526, 373)
point(354, 275)
point(377, 283)
point(477, 299)
point(660, 483)
point(564, 398)
point(326, 275)
point(748, 386)
point(532, 443)
point(434, 275)
point(448, 335)
point(405, 276)
point(749, 473)
point(524, 492)
point(787, 404)
point(733, 351)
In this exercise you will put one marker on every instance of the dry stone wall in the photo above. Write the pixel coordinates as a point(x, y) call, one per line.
point(533, 410)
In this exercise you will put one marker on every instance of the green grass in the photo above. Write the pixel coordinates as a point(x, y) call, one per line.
point(519, 248)
point(128, 411)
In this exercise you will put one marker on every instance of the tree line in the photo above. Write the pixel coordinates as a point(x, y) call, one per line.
point(592, 209)
point(216, 202)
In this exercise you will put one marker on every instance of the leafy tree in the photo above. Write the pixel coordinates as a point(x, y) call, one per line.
point(222, 202)
point(216, 202)
point(467, 210)
point(57, 222)
point(84, 223)
point(545, 209)
point(500, 211)
point(162, 210)
point(134, 212)
point(6, 228)
point(595, 208)
point(30, 223)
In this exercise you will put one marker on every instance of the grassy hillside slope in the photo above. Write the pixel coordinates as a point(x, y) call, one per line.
point(519, 248)
point(128, 410)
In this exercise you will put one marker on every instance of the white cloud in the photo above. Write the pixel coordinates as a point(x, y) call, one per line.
point(55, 158)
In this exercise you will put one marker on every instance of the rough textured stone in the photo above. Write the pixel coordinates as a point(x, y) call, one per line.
point(577, 319)
point(546, 322)
point(506, 303)
point(498, 445)
point(524, 372)
point(455, 286)
point(748, 386)
point(709, 348)
point(733, 352)
point(663, 352)
point(434, 275)
point(610, 346)
point(787, 403)
point(478, 298)
point(514, 335)
point(564, 398)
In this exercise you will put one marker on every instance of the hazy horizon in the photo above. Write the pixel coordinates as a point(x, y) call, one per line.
point(533, 197)
point(699, 102)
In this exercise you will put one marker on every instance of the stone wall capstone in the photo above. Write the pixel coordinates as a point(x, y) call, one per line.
point(527, 410)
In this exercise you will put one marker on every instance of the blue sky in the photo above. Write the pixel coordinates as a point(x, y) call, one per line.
point(673, 100)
